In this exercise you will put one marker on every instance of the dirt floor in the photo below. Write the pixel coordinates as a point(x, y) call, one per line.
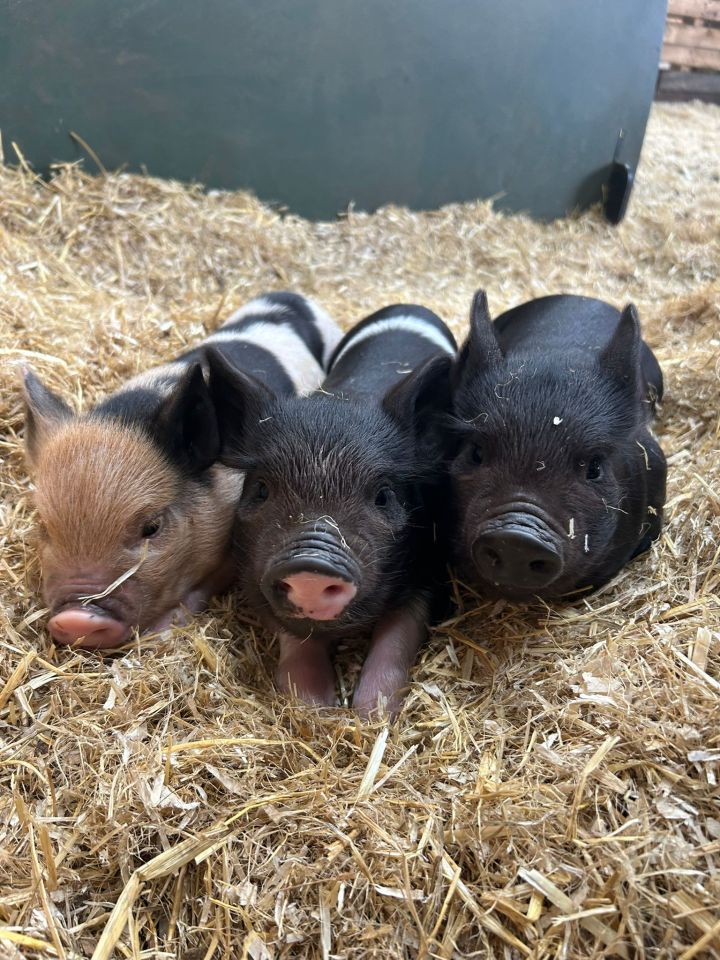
point(550, 788)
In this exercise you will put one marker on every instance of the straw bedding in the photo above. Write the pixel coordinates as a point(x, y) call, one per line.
point(550, 788)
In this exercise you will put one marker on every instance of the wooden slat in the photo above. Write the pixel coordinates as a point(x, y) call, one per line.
point(702, 9)
point(688, 85)
point(687, 57)
point(699, 38)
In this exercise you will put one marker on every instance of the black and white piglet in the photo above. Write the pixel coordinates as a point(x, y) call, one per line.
point(334, 536)
point(133, 485)
point(557, 479)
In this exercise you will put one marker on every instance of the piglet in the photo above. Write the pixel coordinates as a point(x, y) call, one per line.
point(557, 480)
point(135, 514)
point(334, 532)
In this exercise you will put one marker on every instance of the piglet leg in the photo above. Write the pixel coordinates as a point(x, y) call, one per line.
point(305, 670)
point(395, 642)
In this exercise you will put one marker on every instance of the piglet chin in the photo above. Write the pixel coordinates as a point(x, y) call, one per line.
point(87, 628)
point(318, 613)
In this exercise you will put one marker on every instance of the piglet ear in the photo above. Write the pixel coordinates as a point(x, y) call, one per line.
point(421, 395)
point(620, 360)
point(481, 349)
point(239, 399)
point(45, 411)
point(186, 423)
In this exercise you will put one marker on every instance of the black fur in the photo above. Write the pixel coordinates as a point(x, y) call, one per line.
point(253, 359)
point(321, 458)
point(551, 413)
point(554, 321)
point(368, 368)
point(354, 466)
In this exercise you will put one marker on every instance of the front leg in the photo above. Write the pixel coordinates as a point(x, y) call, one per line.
point(396, 639)
point(305, 670)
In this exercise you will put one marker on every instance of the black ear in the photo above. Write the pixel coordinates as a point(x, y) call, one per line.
point(421, 396)
point(239, 400)
point(620, 360)
point(45, 411)
point(186, 424)
point(481, 349)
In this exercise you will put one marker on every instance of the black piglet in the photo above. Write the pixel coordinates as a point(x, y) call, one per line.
point(334, 534)
point(558, 480)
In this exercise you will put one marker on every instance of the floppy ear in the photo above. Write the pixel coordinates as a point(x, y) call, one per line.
point(239, 400)
point(481, 349)
point(45, 411)
point(417, 399)
point(186, 424)
point(620, 360)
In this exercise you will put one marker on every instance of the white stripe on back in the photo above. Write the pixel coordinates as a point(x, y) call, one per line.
point(259, 307)
point(288, 348)
point(159, 379)
point(407, 324)
point(330, 332)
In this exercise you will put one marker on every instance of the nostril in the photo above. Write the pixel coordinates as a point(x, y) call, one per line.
point(283, 586)
point(537, 565)
point(333, 590)
point(493, 557)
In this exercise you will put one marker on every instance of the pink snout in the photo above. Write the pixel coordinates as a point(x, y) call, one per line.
point(87, 628)
point(316, 596)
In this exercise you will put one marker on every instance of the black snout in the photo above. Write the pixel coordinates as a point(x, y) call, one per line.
point(520, 554)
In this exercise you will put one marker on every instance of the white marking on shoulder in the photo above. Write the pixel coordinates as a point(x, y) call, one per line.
point(286, 347)
point(229, 483)
point(159, 379)
point(259, 307)
point(408, 324)
point(330, 332)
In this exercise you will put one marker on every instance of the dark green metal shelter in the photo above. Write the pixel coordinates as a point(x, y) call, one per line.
point(317, 104)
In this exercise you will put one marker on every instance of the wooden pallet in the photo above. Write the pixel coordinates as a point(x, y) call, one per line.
point(692, 35)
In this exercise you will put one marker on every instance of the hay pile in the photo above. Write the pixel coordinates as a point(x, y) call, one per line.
point(549, 790)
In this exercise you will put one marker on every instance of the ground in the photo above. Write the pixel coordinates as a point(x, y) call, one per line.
point(549, 789)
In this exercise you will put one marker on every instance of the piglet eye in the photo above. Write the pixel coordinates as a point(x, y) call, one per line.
point(384, 497)
point(261, 491)
point(477, 453)
point(594, 468)
point(151, 528)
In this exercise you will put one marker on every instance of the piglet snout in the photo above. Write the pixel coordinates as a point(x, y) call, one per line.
point(316, 596)
point(88, 628)
point(316, 576)
point(515, 556)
